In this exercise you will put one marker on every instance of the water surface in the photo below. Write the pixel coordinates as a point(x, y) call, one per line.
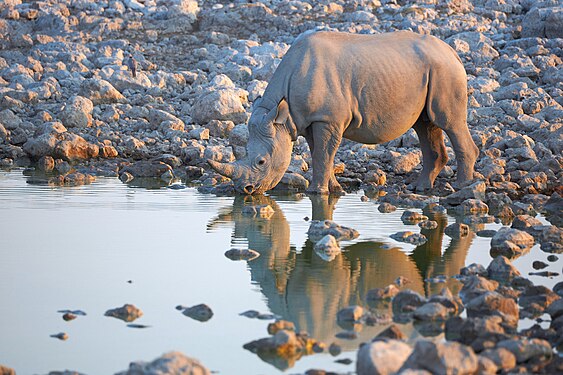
point(100, 246)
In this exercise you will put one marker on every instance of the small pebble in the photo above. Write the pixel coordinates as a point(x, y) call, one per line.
point(428, 224)
point(69, 316)
point(61, 336)
point(401, 281)
point(176, 187)
point(364, 198)
point(334, 349)
point(306, 218)
point(201, 312)
point(539, 265)
point(75, 312)
point(552, 258)
point(347, 335)
point(266, 316)
point(487, 233)
point(544, 274)
point(344, 361)
point(318, 347)
point(386, 208)
point(250, 314)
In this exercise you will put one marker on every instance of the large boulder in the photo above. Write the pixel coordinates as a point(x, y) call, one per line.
point(543, 23)
point(501, 269)
point(320, 228)
point(77, 112)
point(100, 92)
point(73, 148)
point(123, 80)
point(474, 191)
point(9, 119)
point(67, 146)
point(526, 349)
point(442, 358)
point(511, 242)
point(493, 303)
point(146, 168)
point(222, 104)
point(382, 357)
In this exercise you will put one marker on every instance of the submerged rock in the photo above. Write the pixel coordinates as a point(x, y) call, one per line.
point(412, 217)
point(127, 313)
point(169, 363)
point(406, 301)
point(428, 224)
point(318, 229)
point(409, 237)
point(200, 312)
point(283, 348)
point(378, 294)
point(68, 317)
point(457, 230)
point(386, 207)
point(61, 336)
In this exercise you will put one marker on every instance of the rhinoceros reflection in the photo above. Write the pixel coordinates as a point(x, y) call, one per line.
point(302, 288)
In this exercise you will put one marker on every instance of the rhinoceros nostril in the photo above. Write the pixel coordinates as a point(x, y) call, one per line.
point(249, 189)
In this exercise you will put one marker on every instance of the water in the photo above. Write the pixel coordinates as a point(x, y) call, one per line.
point(78, 248)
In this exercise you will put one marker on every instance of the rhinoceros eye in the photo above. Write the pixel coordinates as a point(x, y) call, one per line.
point(261, 161)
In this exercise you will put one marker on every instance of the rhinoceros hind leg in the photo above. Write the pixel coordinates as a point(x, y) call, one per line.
point(434, 154)
point(323, 140)
point(447, 109)
point(466, 153)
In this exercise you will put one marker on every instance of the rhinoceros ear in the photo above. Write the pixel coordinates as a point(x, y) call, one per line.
point(282, 113)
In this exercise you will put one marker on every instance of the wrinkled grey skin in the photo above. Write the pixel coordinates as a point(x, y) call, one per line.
point(268, 151)
point(366, 88)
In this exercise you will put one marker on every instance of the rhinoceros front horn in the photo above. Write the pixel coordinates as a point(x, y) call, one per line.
point(231, 170)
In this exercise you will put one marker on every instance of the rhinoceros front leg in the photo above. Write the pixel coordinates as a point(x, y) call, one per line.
point(323, 140)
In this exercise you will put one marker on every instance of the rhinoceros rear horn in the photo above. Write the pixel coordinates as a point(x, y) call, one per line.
point(230, 170)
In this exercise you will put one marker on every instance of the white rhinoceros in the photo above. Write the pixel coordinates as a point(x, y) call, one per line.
point(366, 88)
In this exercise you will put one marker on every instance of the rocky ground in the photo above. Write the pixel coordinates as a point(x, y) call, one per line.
point(142, 89)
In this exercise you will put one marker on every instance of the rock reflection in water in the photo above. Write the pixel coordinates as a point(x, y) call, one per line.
point(308, 291)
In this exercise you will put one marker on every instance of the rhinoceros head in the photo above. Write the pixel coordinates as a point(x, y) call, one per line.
point(268, 152)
